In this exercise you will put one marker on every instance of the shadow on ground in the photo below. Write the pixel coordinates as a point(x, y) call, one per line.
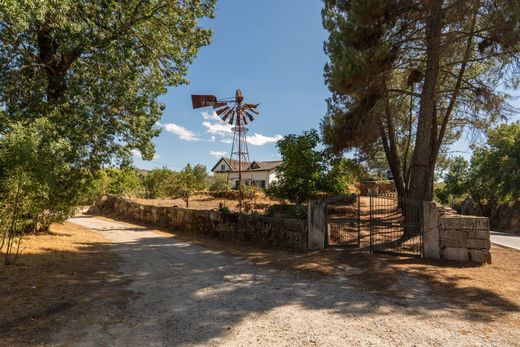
point(194, 294)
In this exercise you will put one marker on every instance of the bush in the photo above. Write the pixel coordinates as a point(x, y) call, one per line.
point(287, 211)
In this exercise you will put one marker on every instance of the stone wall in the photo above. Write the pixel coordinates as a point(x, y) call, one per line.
point(464, 238)
point(260, 230)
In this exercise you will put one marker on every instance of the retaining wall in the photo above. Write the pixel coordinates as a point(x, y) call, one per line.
point(465, 238)
point(455, 237)
point(265, 231)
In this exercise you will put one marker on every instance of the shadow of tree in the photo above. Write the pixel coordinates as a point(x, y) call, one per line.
point(171, 292)
point(190, 294)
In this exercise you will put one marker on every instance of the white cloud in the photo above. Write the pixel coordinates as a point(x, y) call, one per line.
point(260, 140)
point(214, 125)
point(227, 140)
point(182, 132)
point(217, 154)
point(137, 154)
point(220, 128)
point(210, 116)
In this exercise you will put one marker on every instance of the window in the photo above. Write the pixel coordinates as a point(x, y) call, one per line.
point(223, 167)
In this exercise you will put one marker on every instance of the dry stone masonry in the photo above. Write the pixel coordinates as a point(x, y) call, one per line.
point(264, 231)
point(465, 238)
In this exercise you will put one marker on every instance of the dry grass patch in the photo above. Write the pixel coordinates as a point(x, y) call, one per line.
point(207, 202)
point(56, 271)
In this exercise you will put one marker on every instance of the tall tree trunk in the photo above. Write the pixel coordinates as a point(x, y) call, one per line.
point(421, 182)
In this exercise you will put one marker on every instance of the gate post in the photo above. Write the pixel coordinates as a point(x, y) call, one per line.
point(430, 226)
point(317, 219)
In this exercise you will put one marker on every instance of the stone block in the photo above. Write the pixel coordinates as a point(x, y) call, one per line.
point(455, 253)
point(479, 234)
point(480, 256)
point(478, 244)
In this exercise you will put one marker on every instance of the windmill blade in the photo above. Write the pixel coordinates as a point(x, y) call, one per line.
point(226, 114)
point(222, 110)
point(232, 118)
point(244, 120)
point(253, 109)
point(249, 115)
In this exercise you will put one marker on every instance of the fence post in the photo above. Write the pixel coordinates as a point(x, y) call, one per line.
point(317, 230)
point(430, 227)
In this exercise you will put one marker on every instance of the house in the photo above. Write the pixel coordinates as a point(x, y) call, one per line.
point(259, 173)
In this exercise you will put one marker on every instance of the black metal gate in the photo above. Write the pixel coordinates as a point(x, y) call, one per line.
point(395, 226)
point(343, 221)
point(383, 223)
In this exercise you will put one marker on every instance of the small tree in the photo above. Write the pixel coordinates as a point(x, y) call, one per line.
point(301, 172)
point(185, 183)
point(220, 184)
point(155, 183)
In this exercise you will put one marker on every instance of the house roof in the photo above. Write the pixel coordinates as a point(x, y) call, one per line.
point(253, 166)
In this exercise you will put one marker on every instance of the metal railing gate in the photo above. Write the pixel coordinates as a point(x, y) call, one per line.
point(382, 223)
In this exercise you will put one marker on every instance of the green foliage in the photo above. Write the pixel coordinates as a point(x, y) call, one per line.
point(155, 182)
point(407, 80)
point(79, 88)
point(223, 209)
point(341, 173)
point(185, 183)
point(307, 171)
point(120, 182)
point(37, 186)
point(301, 173)
point(96, 68)
point(220, 184)
point(493, 176)
point(297, 211)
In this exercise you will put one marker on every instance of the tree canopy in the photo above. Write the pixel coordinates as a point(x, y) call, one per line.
point(96, 68)
point(409, 76)
point(493, 175)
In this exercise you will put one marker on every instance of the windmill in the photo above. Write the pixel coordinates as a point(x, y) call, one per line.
point(236, 112)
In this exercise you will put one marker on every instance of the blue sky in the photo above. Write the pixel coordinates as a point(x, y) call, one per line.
point(273, 51)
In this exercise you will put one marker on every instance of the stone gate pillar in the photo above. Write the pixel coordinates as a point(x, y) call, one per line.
point(430, 226)
point(317, 229)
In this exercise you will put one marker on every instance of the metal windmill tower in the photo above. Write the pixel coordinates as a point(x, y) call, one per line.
point(235, 112)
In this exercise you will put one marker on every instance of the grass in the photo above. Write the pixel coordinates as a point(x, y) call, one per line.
point(55, 271)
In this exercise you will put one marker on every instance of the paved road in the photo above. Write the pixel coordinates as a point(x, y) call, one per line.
point(507, 240)
point(188, 295)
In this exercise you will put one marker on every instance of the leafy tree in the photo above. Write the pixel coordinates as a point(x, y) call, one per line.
point(155, 182)
point(408, 76)
point(200, 173)
point(37, 187)
point(493, 176)
point(220, 184)
point(302, 170)
point(96, 68)
point(188, 181)
point(340, 174)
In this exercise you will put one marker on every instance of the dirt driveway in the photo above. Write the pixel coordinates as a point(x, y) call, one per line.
point(182, 294)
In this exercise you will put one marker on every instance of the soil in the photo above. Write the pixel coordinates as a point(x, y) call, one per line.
point(183, 294)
